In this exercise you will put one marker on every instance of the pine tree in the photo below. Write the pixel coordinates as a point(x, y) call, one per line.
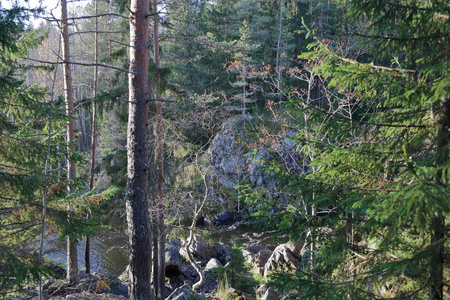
point(138, 151)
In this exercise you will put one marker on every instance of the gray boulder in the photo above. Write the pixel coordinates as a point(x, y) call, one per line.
point(259, 261)
point(282, 259)
point(181, 293)
point(213, 263)
point(257, 256)
point(199, 249)
point(251, 251)
point(296, 248)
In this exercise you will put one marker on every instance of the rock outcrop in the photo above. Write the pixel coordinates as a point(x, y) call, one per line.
point(282, 259)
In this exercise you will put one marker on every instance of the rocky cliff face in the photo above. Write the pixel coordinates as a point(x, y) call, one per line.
point(226, 154)
point(233, 161)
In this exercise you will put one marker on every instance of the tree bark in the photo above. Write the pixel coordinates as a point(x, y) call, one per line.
point(72, 256)
point(138, 165)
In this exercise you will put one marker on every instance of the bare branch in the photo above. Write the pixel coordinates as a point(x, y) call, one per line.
point(86, 17)
point(120, 43)
point(93, 31)
point(354, 62)
point(76, 63)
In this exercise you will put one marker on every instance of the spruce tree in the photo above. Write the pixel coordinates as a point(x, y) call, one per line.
point(24, 119)
point(378, 177)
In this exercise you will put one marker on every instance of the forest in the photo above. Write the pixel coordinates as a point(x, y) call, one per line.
point(321, 124)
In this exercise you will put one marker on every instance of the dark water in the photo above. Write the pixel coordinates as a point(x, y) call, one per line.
point(109, 250)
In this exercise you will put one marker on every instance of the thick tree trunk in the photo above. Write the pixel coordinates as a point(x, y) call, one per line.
point(138, 164)
point(72, 256)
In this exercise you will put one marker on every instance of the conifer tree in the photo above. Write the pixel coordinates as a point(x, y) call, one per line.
point(138, 151)
point(23, 119)
point(380, 184)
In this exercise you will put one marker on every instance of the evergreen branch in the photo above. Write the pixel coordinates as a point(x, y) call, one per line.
point(12, 225)
point(5, 210)
point(408, 296)
point(330, 282)
point(346, 187)
point(32, 142)
point(9, 166)
point(441, 16)
point(396, 38)
point(201, 41)
point(410, 7)
point(323, 110)
point(21, 106)
point(371, 65)
point(391, 125)
point(23, 229)
point(8, 198)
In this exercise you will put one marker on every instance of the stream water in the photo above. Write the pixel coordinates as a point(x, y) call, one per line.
point(109, 250)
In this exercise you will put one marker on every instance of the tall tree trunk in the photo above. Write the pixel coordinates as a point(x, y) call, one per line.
point(87, 257)
point(72, 256)
point(137, 149)
point(158, 215)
